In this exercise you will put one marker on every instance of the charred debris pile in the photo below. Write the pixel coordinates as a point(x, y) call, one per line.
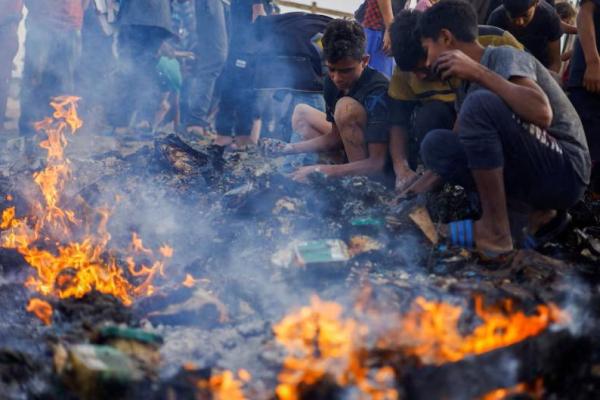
point(249, 286)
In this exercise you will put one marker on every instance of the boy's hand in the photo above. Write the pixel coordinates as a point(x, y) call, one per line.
point(302, 174)
point(455, 63)
point(404, 179)
point(591, 78)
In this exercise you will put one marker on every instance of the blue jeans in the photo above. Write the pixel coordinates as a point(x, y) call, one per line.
point(211, 54)
point(378, 59)
point(537, 171)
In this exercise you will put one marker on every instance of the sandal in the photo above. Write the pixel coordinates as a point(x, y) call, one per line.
point(460, 234)
point(547, 232)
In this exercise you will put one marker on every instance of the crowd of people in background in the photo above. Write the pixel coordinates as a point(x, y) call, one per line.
point(501, 97)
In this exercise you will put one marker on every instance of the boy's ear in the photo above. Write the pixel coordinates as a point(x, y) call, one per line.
point(365, 59)
point(446, 37)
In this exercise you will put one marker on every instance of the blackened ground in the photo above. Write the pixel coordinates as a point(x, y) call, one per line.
point(225, 215)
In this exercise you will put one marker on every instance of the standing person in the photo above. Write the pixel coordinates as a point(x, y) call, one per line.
point(517, 135)
point(211, 48)
point(378, 17)
point(584, 80)
point(237, 115)
point(143, 27)
point(9, 44)
point(52, 48)
point(534, 23)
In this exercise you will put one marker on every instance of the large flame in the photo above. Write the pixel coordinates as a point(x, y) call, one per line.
point(70, 252)
point(321, 344)
point(430, 330)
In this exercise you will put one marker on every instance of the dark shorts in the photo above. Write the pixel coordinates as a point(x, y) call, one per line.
point(536, 169)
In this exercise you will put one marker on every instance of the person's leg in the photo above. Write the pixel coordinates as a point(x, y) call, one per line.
point(211, 55)
point(588, 105)
point(351, 120)
point(226, 116)
point(308, 123)
point(9, 45)
point(509, 157)
point(34, 102)
point(427, 117)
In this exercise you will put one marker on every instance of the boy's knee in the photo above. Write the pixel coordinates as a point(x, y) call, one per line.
point(349, 112)
point(300, 117)
point(437, 148)
point(482, 102)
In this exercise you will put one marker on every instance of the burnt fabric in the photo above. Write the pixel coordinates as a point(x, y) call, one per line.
point(537, 169)
point(370, 91)
point(543, 28)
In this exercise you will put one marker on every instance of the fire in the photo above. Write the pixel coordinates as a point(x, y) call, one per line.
point(70, 252)
point(323, 345)
point(41, 309)
point(430, 330)
point(189, 281)
point(534, 390)
point(225, 386)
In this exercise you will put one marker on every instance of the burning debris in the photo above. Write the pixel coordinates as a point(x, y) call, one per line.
point(388, 317)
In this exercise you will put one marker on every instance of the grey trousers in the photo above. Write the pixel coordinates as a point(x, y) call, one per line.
point(211, 54)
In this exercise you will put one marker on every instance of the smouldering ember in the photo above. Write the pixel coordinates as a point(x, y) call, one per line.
point(323, 344)
point(42, 309)
point(535, 390)
point(69, 246)
point(226, 385)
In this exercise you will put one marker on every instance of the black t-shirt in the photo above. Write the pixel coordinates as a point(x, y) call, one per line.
point(543, 28)
point(240, 29)
point(289, 51)
point(577, 66)
point(370, 91)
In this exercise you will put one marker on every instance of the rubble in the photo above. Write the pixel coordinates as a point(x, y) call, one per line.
point(228, 216)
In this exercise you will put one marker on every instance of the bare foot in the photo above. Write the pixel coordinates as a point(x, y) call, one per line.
point(245, 141)
point(490, 237)
point(223, 140)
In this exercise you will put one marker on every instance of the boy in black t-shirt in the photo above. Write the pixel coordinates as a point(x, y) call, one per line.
point(356, 118)
point(535, 24)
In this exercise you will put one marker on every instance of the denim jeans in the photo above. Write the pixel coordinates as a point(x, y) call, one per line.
point(211, 54)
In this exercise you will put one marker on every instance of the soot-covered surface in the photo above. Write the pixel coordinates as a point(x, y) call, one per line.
point(227, 216)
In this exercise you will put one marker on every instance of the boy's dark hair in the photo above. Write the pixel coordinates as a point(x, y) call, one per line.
point(517, 7)
point(565, 11)
point(457, 16)
point(406, 40)
point(343, 39)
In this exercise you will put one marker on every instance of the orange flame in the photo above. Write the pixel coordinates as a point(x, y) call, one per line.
point(430, 330)
point(224, 386)
point(189, 281)
point(41, 309)
point(321, 343)
point(75, 258)
point(535, 390)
